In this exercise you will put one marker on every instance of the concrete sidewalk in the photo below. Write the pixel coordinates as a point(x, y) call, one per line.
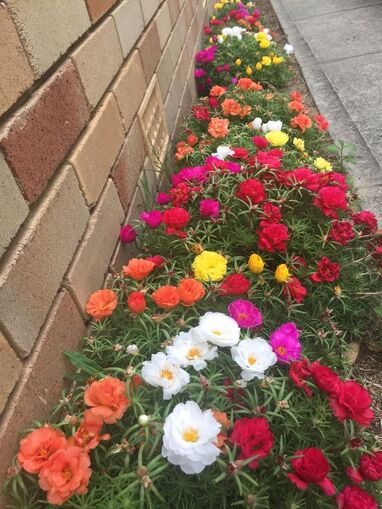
point(338, 44)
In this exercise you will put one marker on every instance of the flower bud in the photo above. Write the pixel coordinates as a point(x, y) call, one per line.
point(144, 420)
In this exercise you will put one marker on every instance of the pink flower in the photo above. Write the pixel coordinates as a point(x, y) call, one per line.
point(209, 208)
point(199, 73)
point(162, 199)
point(127, 234)
point(246, 314)
point(152, 218)
point(285, 343)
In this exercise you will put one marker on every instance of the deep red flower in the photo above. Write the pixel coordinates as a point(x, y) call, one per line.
point(370, 468)
point(353, 497)
point(341, 232)
point(268, 160)
point(321, 122)
point(251, 191)
point(175, 219)
point(367, 219)
point(235, 284)
point(325, 378)
point(327, 271)
point(260, 142)
point(352, 401)
point(157, 260)
point(271, 214)
point(294, 290)
point(201, 112)
point(273, 237)
point(303, 177)
point(311, 468)
point(240, 153)
point(254, 438)
point(331, 199)
point(299, 371)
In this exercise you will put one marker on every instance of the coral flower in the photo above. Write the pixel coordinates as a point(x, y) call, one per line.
point(301, 122)
point(88, 434)
point(218, 127)
point(101, 304)
point(138, 268)
point(217, 91)
point(321, 122)
point(190, 291)
point(231, 107)
point(67, 473)
point(248, 84)
point(107, 399)
point(166, 297)
point(37, 447)
point(294, 290)
point(296, 106)
point(136, 302)
point(296, 96)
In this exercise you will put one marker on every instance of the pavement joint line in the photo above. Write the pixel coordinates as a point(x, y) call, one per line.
point(337, 11)
point(330, 60)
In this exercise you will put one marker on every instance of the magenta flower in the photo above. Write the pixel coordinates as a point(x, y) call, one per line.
point(152, 218)
point(162, 199)
point(127, 234)
point(285, 343)
point(246, 314)
point(199, 73)
point(209, 208)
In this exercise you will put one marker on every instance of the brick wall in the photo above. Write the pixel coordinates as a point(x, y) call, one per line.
point(87, 88)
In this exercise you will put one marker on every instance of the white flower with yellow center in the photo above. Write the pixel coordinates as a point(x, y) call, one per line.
point(189, 351)
point(272, 125)
point(189, 438)
point(254, 356)
point(222, 152)
point(218, 329)
point(234, 32)
point(163, 372)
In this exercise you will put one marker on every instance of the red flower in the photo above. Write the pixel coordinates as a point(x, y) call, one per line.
point(353, 497)
point(301, 176)
point(370, 468)
point(136, 302)
point(272, 214)
point(367, 219)
point(352, 401)
point(201, 112)
point(295, 290)
point(296, 96)
point(330, 199)
point(321, 122)
point(252, 191)
point(269, 160)
point(240, 153)
point(311, 468)
point(325, 378)
point(327, 271)
point(235, 284)
point(299, 371)
point(157, 260)
point(175, 219)
point(341, 232)
point(254, 438)
point(260, 142)
point(273, 237)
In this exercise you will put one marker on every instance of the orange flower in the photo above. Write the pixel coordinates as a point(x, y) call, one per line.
point(88, 434)
point(301, 122)
point(217, 91)
point(183, 152)
point(231, 107)
point(166, 297)
point(190, 291)
point(66, 473)
point(245, 110)
point(221, 440)
point(222, 418)
point(107, 398)
point(248, 84)
point(218, 127)
point(138, 268)
point(296, 106)
point(296, 96)
point(101, 304)
point(192, 139)
point(38, 446)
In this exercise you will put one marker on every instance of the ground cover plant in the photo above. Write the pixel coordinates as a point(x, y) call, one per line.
point(214, 374)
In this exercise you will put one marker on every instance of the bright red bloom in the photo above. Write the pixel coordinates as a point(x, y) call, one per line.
point(341, 232)
point(296, 96)
point(273, 237)
point(180, 194)
point(175, 219)
point(251, 191)
point(352, 401)
point(325, 378)
point(260, 142)
point(311, 468)
point(321, 122)
point(299, 371)
point(271, 214)
point(327, 271)
point(88, 434)
point(157, 260)
point(201, 112)
point(367, 219)
point(136, 302)
point(240, 153)
point(254, 438)
point(295, 290)
point(269, 160)
point(330, 199)
point(353, 497)
point(301, 176)
point(235, 284)
point(370, 468)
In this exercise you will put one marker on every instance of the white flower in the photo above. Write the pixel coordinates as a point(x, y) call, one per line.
point(254, 356)
point(163, 372)
point(218, 329)
point(266, 31)
point(288, 48)
point(132, 349)
point(272, 125)
point(234, 32)
point(189, 351)
point(220, 39)
point(256, 124)
point(223, 151)
point(189, 436)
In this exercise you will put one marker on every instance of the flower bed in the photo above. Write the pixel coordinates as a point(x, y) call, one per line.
point(214, 375)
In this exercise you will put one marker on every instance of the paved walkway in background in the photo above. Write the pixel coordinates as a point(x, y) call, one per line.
point(338, 44)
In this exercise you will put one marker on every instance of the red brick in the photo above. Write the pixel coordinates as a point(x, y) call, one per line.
point(41, 384)
point(174, 10)
point(97, 8)
point(38, 138)
point(126, 170)
point(149, 48)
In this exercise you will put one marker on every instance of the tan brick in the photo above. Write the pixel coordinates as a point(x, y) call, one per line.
point(92, 259)
point(48, 27)
point(149, 49)
point(97, 149)
point(164, 24)
point(16, 74)
point(29, 282)
point(174, 10)
point(126, 170)
point(128, 18)
point(13, 209)
point(41, 384)
point(182, 26)
point(98, 60)
point(148, 8)
point(97, 8)
point(129, 88)
point(10, 371)
point(175, 45)
point(165, 71)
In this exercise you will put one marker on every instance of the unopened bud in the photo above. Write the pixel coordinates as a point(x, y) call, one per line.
point(144, 420)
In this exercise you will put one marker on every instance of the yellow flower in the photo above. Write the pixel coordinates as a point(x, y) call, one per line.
point(265, 44)
point(322, 165)
point(209, 266)
point(299, 144)
point(277, 138)
point(256, 264)
point(278, 60)
point(266, 61)
point(261, 36)
point(219, 5)
point(282, 273)
point(337, 291)
point(248, 70)
point(238, 62)
point(259, 66)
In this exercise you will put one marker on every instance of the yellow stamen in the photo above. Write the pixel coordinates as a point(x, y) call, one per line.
point(193, 353)
point(190, 435)
point(252, 360)
point(166, 373)
point(281, 350)
point(217, 332)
